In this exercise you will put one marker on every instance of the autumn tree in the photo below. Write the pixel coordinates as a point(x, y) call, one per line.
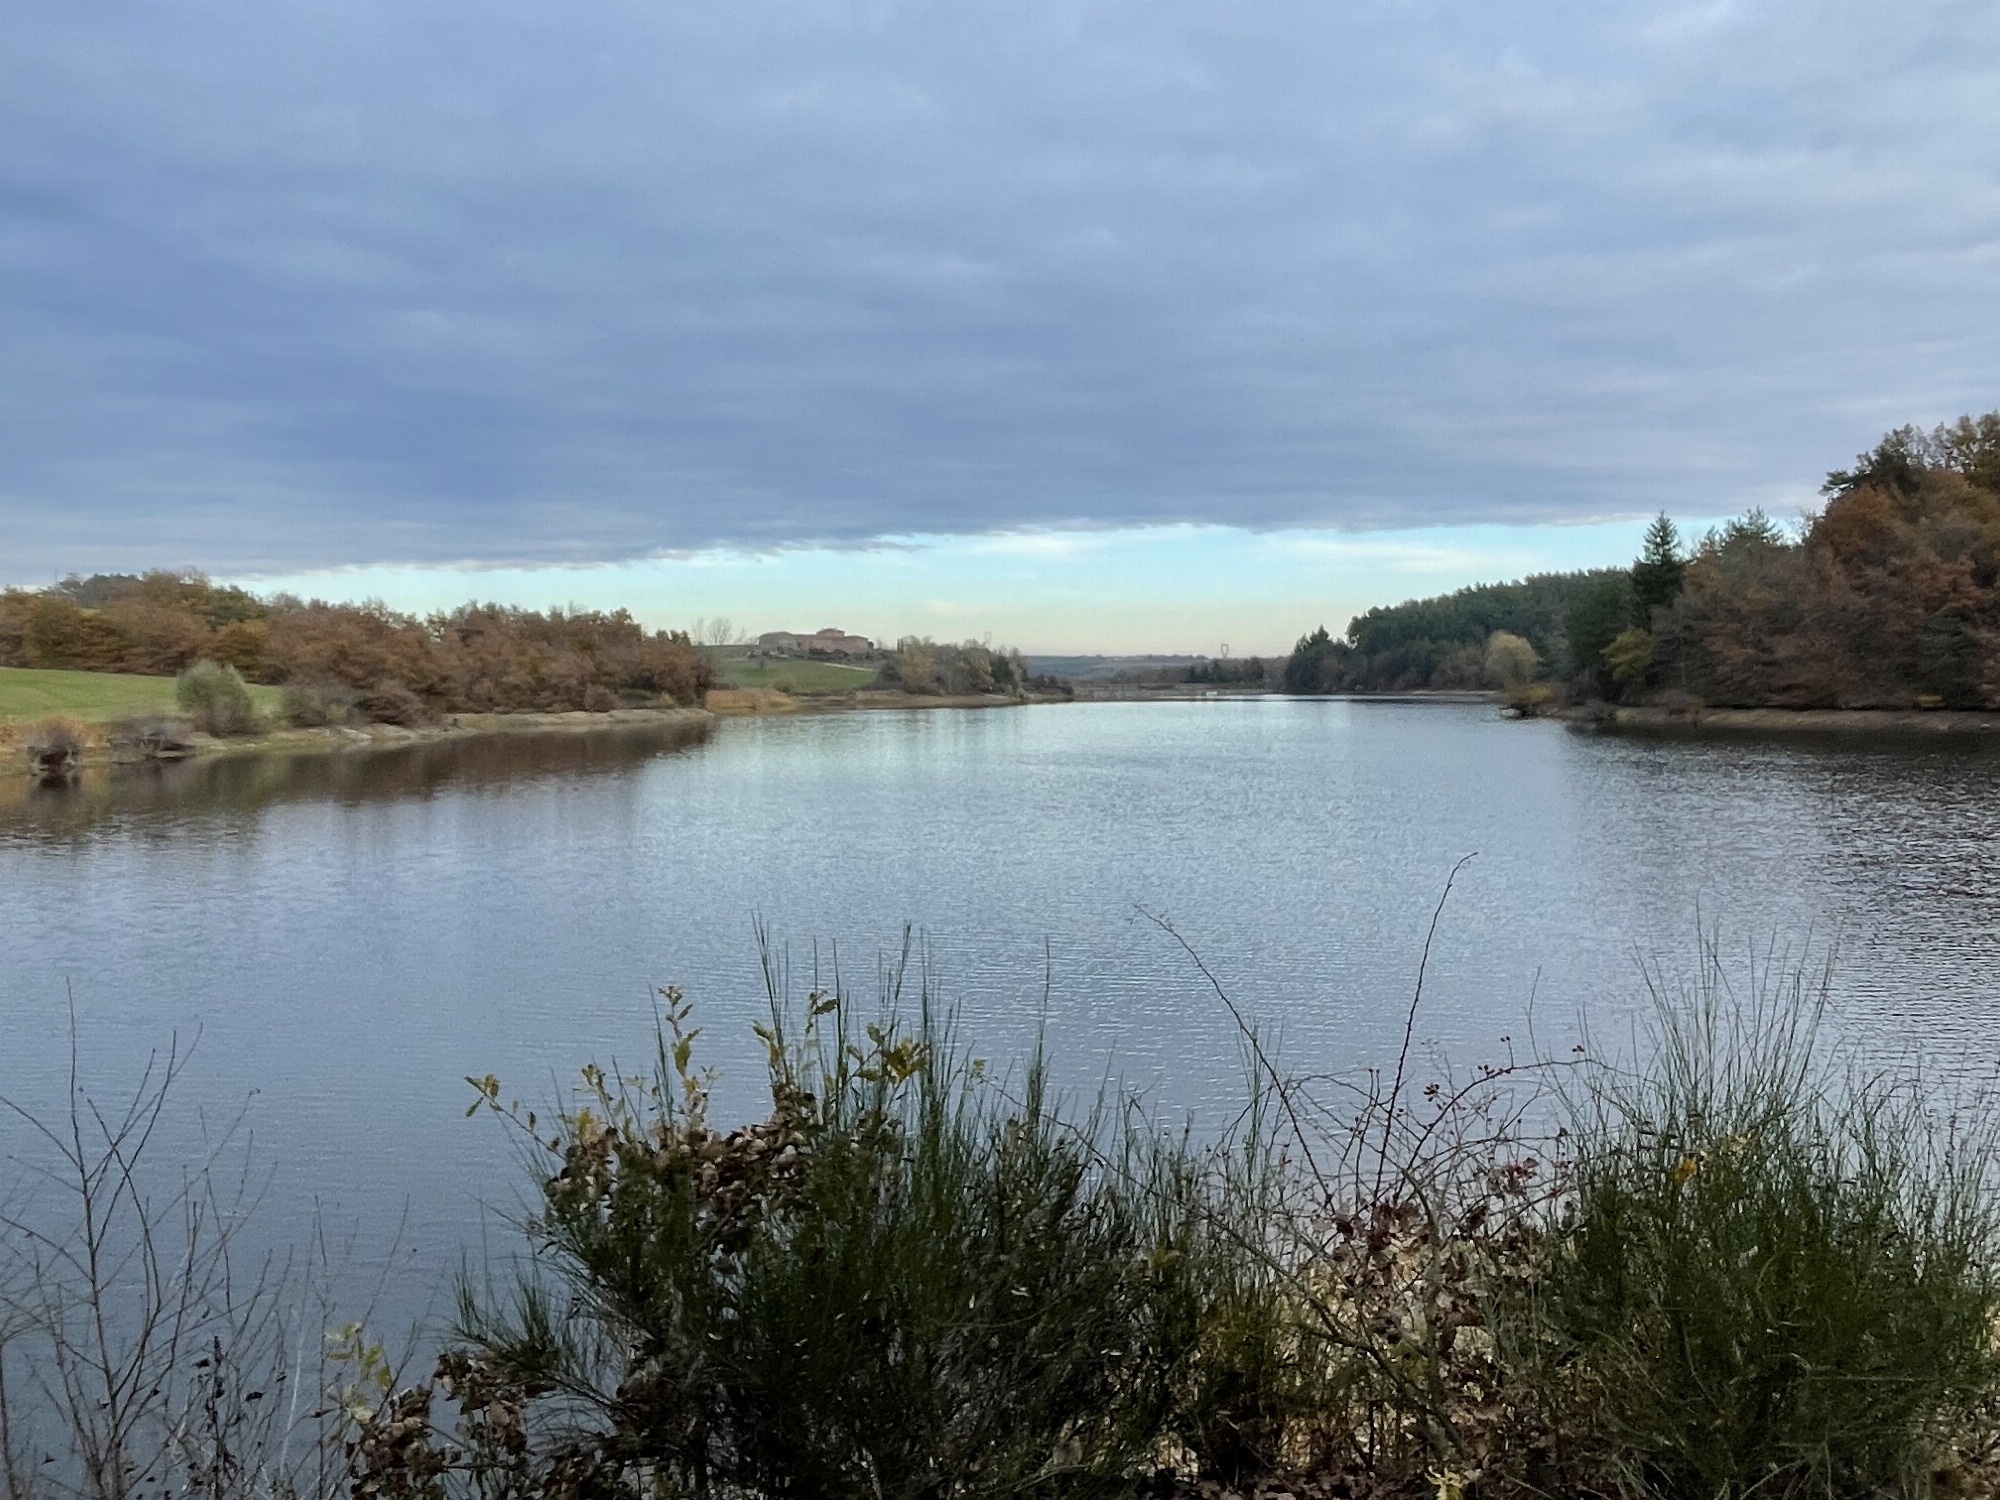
point(1511, 660)
point(477, 657)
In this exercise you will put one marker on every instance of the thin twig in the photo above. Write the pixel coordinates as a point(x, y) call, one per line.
point(1279, 1084)
point(1410, 1020)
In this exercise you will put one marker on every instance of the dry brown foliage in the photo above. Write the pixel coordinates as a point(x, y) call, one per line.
point(477, 658)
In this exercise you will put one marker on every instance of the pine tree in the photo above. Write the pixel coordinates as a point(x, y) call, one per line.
point(1657, 575)
point(1596, 616)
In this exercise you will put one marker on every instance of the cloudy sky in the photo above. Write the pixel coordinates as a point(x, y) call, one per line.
point(1096, 325)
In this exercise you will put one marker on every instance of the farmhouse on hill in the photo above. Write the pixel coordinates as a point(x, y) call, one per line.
point(827, 642)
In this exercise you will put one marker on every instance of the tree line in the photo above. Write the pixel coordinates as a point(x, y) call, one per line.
point(935, 668)
point(1441, 642)
point(1887, 597)
point(478, 657)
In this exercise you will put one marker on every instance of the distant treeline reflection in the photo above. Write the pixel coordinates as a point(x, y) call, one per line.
point(375, 774)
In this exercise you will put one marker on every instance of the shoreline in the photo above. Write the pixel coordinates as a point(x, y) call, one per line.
point(359, 737)
point(746, 703)
point(1650, 719)
point(738, 703)
point(721, 703)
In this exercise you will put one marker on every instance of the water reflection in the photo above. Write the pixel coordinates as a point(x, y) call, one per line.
point(194, 789)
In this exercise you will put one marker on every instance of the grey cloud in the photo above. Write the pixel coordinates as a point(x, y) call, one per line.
point(294, 285)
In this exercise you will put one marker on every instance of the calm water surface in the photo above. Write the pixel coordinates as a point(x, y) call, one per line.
point(350, 936)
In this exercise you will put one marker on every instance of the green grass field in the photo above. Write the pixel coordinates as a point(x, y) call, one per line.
point(795, 676)
point(28, 693)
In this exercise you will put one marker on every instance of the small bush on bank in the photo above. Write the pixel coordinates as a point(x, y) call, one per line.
point(390, 702)
point(316, 705)
point(216, 698)
point(599, 699)
point(1531, 700)
point(151, 738)
point(54, 739)
point(1678, 704)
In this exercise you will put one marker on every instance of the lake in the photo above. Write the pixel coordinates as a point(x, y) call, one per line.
point(349, 936)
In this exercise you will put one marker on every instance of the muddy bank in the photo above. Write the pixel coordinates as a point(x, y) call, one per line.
point(98, 749)
point(1649, 719)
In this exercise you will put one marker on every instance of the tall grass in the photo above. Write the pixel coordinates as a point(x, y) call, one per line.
point(1775, 1275)
point(1732, 1264)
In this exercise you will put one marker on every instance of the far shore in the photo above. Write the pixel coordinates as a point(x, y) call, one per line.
point(738, 703)
point(1654, 719)
point(730, 703)
point(720, 703)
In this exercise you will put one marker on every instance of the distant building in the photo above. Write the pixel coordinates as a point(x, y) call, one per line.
point(827, 642)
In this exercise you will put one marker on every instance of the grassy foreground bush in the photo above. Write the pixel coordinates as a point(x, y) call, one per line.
point(216, 698)
point(909, 1280)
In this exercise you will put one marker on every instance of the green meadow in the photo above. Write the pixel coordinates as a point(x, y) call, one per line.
point(800, 675)
point(28, 693)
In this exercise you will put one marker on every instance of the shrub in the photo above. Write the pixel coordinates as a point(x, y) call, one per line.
point(390, 702)
point(1680, 704)
point(1772, 1283)
point(914, 666)
point(1530, 700)
point(54, 745)
point(907, 1281)
point(314, 705)
point(599, 699)
point(151, 738)
point(55, 734)
point(215, 697)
